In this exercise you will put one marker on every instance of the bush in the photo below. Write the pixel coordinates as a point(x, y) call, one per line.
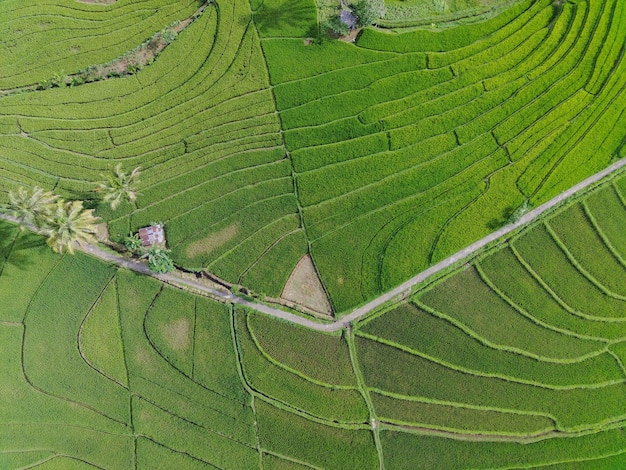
point(335, 27)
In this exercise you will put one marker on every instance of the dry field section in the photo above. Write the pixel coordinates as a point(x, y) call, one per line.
point(515, 360)
point(378, 158)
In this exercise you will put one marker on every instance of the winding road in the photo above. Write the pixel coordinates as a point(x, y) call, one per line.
point(400, 291)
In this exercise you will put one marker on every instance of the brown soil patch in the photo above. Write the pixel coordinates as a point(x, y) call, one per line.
point(305, 288)
point(128, 64)
point(352, 36)
point(207, 244)
point(102, 232)
point(176, 334)
point(142, 357)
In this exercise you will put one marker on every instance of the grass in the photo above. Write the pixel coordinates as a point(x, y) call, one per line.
point(347, 178)
point(270, 380)
point(468, 302)
point(170, 325)
point(529, 294)
point(322, 446)
point(322, 357)
point(100, 339)
point(286, 18)
point(588, 249)
point(52, 325)
point(411, 376)
point(69, 36)
point(439, 13)
point(457, 418)
point(415, 329)
point(214, 360)
point(581, 293)
point(427, 452)
point(206, 137)
point(602, 205)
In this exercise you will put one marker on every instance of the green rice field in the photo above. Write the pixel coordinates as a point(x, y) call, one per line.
point(495, 365)
point(261, 141)
point(257, 147)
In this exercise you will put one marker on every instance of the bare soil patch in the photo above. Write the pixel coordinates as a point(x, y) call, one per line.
point(352, 36)
point(102, 232)
point(129, 64)
point(207, 244)
point(305, 288)
point(176, 334)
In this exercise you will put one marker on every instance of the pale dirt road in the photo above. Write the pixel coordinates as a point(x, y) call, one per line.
point(398, 292)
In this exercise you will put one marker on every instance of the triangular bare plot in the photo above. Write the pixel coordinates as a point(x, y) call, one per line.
point(305, 288)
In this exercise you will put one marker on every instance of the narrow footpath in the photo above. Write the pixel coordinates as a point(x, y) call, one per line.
point(402, 290)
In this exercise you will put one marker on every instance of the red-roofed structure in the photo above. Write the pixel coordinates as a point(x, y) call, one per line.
point(152, 235)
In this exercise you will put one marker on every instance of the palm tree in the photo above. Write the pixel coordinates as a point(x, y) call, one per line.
point(69, 223)
point(31, 208)
point(119, 186)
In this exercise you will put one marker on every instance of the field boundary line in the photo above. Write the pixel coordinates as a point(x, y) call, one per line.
point(486, 374)
point(405, 288)
point(401, 291)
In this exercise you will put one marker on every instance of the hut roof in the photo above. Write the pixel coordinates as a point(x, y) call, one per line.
point(152, 235)
point(347, 17)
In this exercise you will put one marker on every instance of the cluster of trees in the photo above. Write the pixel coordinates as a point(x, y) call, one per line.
point(67, 223)
point(365, 13)
point(64, 223)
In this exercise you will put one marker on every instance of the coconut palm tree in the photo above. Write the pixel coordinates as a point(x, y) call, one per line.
point(69, 223)
point(119, 186)
point(31, 207)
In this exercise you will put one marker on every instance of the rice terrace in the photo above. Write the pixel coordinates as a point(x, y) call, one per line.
point(312, 234)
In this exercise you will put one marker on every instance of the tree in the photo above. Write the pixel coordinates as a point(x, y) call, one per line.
point(119, 186)
point(369, 11)
point(335, 27)
point(159, 260)
point(31, 207)
point(69, 223)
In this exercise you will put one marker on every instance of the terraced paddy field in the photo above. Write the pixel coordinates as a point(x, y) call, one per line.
point(257, 147)
point(515, 360)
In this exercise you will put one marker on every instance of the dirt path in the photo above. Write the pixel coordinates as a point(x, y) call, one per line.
point(402, 290)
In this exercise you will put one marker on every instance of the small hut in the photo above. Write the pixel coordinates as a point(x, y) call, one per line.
point(348, 18)
point(152, 235)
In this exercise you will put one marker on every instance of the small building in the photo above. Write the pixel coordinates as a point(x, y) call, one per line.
point(152, 235)
point(348, 18)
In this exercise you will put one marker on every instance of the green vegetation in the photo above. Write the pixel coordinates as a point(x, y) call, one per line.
point(319, 356)
point(293, 388)
point(69, 36)
point(313, 443)
point(439, 13)
point(488, 360)
point(384, 157)
point(159, 260)
point(206, 137)
point(406, 158)
point(260, 143)
point(119, 186)
point(65, 223)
